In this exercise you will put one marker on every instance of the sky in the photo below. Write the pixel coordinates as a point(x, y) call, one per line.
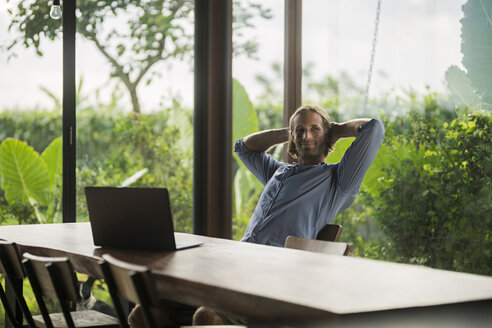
point(417, 41)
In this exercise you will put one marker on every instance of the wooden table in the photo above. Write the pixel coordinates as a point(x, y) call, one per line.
point(271, 284)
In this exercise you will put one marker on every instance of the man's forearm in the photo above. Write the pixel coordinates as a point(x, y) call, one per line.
point(347, 129)
point(264, 140)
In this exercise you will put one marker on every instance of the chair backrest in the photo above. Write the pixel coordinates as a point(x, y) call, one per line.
point(52, 278)
point(11, 268)
point(331, 232)
point(55, 276)
point(320, 246)
point(132, 282)
point(10, 260)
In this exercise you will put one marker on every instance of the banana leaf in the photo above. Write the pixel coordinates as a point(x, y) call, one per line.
point(52, 156)
point(25, 176)
point(461, 89)
point(244, 119)
point(476, 46)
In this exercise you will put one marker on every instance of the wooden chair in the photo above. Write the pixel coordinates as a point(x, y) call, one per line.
point(320, 246)
point(54, 278)
point(331, 232)
point(13, 272)
point(133, 283)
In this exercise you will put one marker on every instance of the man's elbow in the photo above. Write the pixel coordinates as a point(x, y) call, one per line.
point(374, 130)
point(379, 126)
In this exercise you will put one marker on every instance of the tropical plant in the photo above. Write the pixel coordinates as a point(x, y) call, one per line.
point(246, 186)
point(244, 117)
point(30, 179)
point(474, 88)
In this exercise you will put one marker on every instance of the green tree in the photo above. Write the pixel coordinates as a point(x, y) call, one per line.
point(153, 31)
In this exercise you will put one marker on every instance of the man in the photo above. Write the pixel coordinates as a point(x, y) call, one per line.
point(299, 199)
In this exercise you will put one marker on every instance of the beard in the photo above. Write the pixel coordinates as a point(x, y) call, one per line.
point(310, 148)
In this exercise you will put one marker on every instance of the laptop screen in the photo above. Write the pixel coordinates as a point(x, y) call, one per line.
point(131, 218)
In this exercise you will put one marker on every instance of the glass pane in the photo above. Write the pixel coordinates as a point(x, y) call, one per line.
point(426, 198)
point(416, 42)
point(135, 99)
point(257, 69)
point(30, 114)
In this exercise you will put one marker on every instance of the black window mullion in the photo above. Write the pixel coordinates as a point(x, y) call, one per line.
point(68, 197)
point(212, 181)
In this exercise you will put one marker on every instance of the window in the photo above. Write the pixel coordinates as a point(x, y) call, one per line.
point(425, 198)
point(135, 100)
point(30, 116)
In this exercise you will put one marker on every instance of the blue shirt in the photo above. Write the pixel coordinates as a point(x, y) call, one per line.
point(301, 200)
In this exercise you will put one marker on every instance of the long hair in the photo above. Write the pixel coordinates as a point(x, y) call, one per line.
point(326, 126)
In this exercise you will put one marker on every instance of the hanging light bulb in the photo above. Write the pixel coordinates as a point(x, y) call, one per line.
point(56, 12)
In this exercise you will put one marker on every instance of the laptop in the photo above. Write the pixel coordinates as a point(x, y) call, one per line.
point(132, 218)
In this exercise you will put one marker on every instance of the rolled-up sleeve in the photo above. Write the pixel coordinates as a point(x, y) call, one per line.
point(359, 156)
point(261, 164)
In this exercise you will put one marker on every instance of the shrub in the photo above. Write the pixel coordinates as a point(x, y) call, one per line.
point(111, 147)
point(433, 199)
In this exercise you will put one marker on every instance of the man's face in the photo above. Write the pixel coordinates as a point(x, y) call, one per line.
point(309, 137)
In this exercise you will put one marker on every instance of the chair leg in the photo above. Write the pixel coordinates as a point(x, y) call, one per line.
point(36, 288)
point(8, 310)
point(66, 313)
point(144, 302)
point(21, 301)
point(65, 305)
point(108, 278)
